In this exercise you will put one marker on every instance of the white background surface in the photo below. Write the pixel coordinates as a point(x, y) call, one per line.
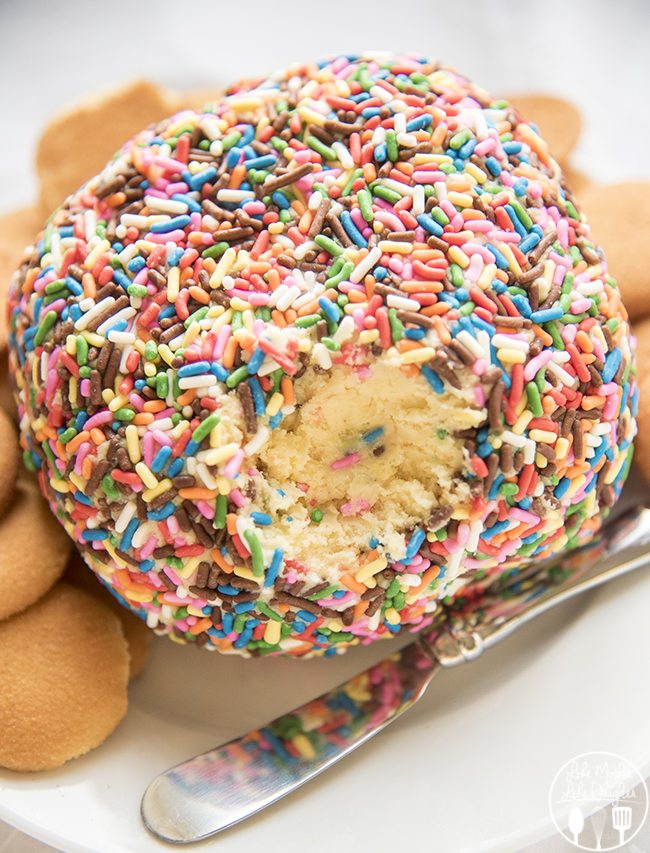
point(593, 53)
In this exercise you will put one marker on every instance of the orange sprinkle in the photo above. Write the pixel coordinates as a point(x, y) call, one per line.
point(359, 609)
point(196, 493)
point(220, 560)
point(78, 440)
point(231, 523)
point(97, 436)
point(229, 353)
point(286, 387)
point(431, 573)
point(186, 398)
point(198, 294)
point(155, 406)
point(200, 626)
point(541, 333)
point(143, 418)
point(355, 586)
point(278, 318)
point(236, 177)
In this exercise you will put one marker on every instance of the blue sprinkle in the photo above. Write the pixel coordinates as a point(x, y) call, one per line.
point(160, 459)
point(417, 538)
point(94, 535)
point(243, 606)
point(196, 368)
point(612, 364)
point(146, 565)
point(191, 447)
point(275, 420)
point(274, 569)
point(370, 112)
point(494, 490)
point(73, 285)
point(330, 309)
point(419, 123)
point(263, 162)
point(429, 224)
point(562, 488)
point(233, 157)
point(433, 379)
point(351, 229)
point(499, 258)
point(175, 468)
point(175, 256)
point(258, 395)
point(547, 314)
point(255, 362)
point(128, 534)
point(82, 499)
point(523, 305)
point(181, 221)
point(529, 242)
point(493, 165)
point(381, 153)
point(306, 616)
point(197, 181)
point(261, 518)
point(244, 638)
point(227, 620)
point(516, 224)
point(512, 147)
point(193, 205)
point(280, 200)
point(495, 529)
point(373, 435)
point(520, 186)
point(162, 513)
point(136, 264)
point(121, 278)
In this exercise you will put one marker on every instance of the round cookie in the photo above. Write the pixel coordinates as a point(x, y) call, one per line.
point(17, 230)
point(136, 633)
point(7, 403)
point(559, 121)
point(80, 139)
point(64, 667)
point(642, 442)
point(295, 369)
point(10, 450)
point(619, 216)
point(33, 548)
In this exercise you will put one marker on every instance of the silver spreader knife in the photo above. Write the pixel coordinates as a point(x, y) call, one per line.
point(213, 791)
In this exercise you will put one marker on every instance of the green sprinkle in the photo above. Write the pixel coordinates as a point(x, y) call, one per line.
point(150, 351)
point(230, 139)
point(81, 349)
point(342, 274)
point(255, 548)
point(365, 204)
point(204, 429)
point(323, 593)
point(459, 139)
point(316, 515)
point(456, 275)
point(386, 193)
point(396, 325)
point(307, 321)
point(331, 345)
point(534, 400)
point(124, 415)
point(67, 435)
point(319, 147)
point(46, 324)
point(214, 251)
point(236, 376)
point(522, 216)
point(220, 513)
point(162, 385)
point(267, 611)
point(391, 146)
point(110, 489)
point(328, 245)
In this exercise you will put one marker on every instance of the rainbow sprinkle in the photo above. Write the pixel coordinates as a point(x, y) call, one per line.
point(333, 214)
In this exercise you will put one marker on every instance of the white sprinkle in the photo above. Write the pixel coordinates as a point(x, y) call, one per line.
point(344, 331)
point(398, 187)
point(257, 442)
point(90, 224)
point(124, 314)
point(366, 264)
point(167, 205)
point(128, 511)
point(95, 311)
point(288, 298)
point(402, 302)
point(510, 342)
point(133, 220)
point(304, 248)
point(202, 381)
point(343, 155)
point(470, 343)
point(121, 338)
point(441, 190)
point(234, 196)
point(322, 356)
point(417, 207)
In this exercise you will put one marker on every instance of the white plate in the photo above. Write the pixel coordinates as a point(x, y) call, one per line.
point(468, 769)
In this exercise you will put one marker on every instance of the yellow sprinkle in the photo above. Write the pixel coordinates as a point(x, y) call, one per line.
point(93, 257)
point(191, 334)
point(370, 569)
point(189, 567)
point(107, 395)
point(561, 448)
point(430, 158)
point(218, 455)
point(511, 356)
point(460, 199)
point(541, 461)
point(133, 443)
point(396, 247)
point(146, 475)
point(478, 174)
point(77, 481)
point(543, 435)
point(507, 252)
point(272, 632)
point(225, 263)
point(275, 404)
point(71, 344)
point(216, 436)
point(522, 422)
point(459, 257)
point(244, 572)
point(166, 354)
point(392, 616)
point(417, 356)
point(173, 280)
point(150, 368)
point(59, 485)
point(614, 470)
point(575, 486)
point(160, 489)
point(368, 336)
point(303, 745)
point(224, 485)
point(117, 402)
point(275, 228)
point(238, 304)
point(93, 339)
point(115, 556)
point(487, 276)
point(132, 595)
point(72, 390)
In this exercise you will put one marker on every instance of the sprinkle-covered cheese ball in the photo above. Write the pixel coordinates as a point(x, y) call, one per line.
point(294, 369)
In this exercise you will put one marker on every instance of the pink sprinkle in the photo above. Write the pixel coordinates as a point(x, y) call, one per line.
point(205, 509)
point(536, 364)
point(234, 465)
point(355, 507)
point(100, 418)
point(346, 461)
